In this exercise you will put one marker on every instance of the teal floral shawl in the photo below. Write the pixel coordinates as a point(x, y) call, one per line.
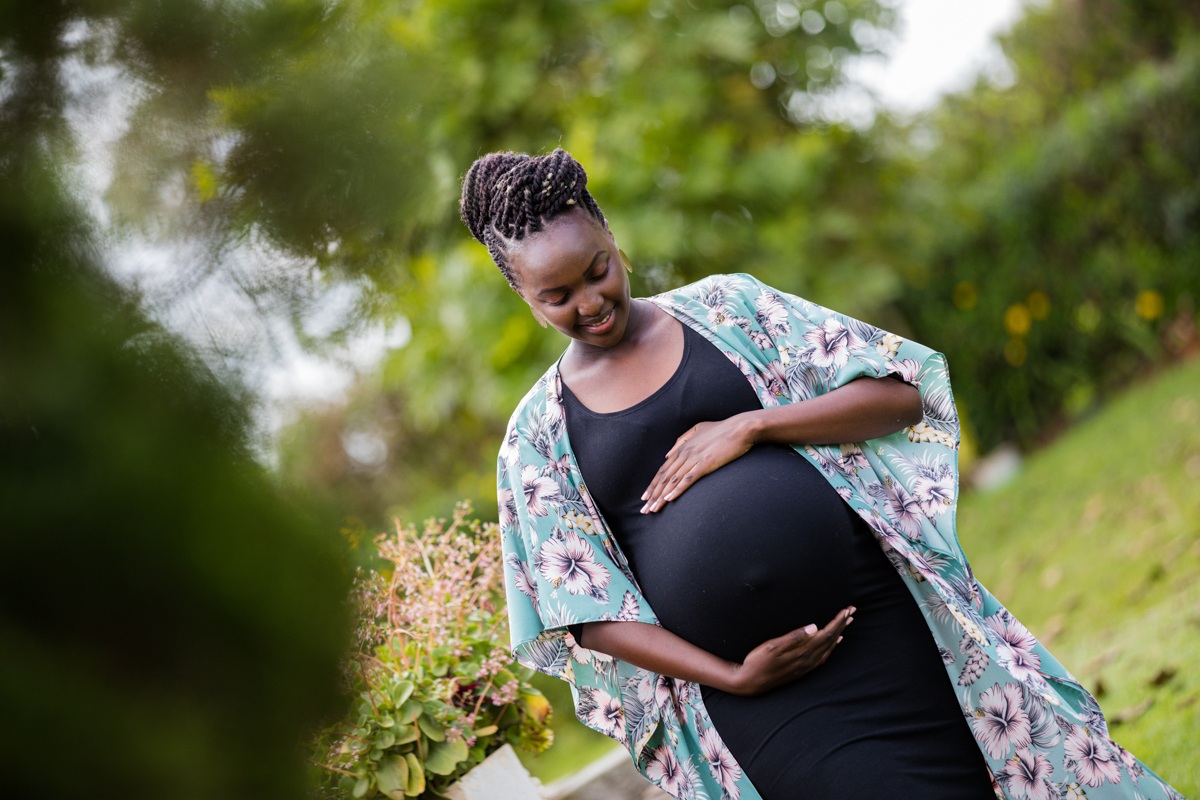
point(1042, 735)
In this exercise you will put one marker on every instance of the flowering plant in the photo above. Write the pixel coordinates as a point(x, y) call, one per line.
point(432, 685)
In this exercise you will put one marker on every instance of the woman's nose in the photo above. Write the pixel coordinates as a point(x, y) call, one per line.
point(591, 304)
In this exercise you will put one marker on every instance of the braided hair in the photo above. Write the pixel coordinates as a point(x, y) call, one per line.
point(507, 196)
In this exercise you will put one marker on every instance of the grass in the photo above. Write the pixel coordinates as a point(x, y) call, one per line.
point(1095, 546)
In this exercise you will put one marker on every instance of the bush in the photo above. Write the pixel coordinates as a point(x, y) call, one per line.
point(431, 690)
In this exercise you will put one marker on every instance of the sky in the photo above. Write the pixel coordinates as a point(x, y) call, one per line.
point(940, 47)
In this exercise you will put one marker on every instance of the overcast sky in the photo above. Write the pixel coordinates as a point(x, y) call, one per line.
point(941, 46)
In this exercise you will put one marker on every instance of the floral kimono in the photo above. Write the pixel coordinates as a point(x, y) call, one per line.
point(1042, 735)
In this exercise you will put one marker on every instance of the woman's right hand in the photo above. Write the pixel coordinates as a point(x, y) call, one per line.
point(785, 658)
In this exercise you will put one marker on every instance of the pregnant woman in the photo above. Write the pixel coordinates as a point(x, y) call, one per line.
point(728, 521)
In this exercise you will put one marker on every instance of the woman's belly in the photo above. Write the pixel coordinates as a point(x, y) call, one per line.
point(757, 548)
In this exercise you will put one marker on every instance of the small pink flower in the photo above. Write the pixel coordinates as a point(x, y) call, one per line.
point(607, 716)
point(721, 763)
point(903, 510)
point(1088, 759)
point(665, 770)
point(831, 344)
point(1029, 776)
point(1014, 646)
point(537, 489)
point(569, 562)
point(935, 494)
point(1002, 724)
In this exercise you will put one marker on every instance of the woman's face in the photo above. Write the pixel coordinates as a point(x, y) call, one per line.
point(571, 272)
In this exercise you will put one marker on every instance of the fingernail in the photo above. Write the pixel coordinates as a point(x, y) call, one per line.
point(644, 496)
point(849, 620)
point(643, 509)
point(810, 629)
point(839, 640)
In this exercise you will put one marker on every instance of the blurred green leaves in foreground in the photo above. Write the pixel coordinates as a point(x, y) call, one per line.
point(170, 622)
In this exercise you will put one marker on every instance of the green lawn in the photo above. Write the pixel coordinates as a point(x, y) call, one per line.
point(1095, 546)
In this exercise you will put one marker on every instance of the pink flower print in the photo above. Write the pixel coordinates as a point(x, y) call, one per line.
point(568, 562)
point(1029, 776)
point(665, 770)
point(538, 489)
point(654, 690)
point(851, 459)
point(831, 344)
point(508, 508)
point(903, 509)
point(776, 379)
point(1001, 723)
point(1127, 760)
point(522, 577)
point(1086, 757)
point(607, 716)
point(934, 493)
point(721, 763)
point(1014, 647)
point(906, 369)
point(772, 314)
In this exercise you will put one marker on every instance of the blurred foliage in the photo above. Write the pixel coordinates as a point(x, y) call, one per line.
point(1053, 228)
point(1044, 235)
point(170, 622)
point(433, 695)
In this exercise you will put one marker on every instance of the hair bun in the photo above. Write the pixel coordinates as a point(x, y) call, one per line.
point(509, 195)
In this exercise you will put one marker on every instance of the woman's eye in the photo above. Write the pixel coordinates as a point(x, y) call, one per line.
point(601, 273)
point(557, 302)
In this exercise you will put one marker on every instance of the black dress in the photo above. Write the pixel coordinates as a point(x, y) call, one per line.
point(760, 547)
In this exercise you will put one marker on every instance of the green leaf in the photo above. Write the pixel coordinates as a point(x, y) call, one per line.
point(386, 721)
point(416, 776)
point(444, 757)
point(432, 729)
point(401, 692)
point(410, 708)
point(405, 734)
point(487, 730)
point(385, 740)
point(360, 786)
point(392, 776)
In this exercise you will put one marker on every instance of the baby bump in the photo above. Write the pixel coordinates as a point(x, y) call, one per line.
point(751, 551)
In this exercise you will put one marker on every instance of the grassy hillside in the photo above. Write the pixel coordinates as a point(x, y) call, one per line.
point(1096, 547)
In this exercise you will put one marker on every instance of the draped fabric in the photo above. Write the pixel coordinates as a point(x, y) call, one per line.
point(1043, 736)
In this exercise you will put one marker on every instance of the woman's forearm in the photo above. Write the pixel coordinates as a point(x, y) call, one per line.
point(773, 663)
point(866, 408)
point(658, 650)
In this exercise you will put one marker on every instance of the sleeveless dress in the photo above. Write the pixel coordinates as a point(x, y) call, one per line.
point(760, 547)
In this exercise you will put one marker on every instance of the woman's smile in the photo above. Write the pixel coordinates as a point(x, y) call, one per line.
point(603, 326)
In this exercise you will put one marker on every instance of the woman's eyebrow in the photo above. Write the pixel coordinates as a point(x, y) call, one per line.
point(586, 270)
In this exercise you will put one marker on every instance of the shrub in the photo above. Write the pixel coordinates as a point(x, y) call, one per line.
point(432, 687)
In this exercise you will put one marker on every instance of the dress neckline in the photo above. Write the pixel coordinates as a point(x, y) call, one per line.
point(570, 397)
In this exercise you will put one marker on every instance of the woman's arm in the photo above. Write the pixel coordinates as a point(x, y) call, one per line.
point(775, 662)
point(866, 408)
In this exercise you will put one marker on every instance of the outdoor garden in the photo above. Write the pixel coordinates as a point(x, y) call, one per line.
point(218, 585)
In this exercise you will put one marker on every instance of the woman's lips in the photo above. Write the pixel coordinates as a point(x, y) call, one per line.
point(603, 326)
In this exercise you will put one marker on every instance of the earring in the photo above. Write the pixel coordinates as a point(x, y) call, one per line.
point(538, 316)
point(625, 258)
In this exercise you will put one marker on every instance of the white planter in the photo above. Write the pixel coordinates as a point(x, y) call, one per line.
point(500, 776)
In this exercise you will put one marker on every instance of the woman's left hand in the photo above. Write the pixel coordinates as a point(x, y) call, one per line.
point(707, 446)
